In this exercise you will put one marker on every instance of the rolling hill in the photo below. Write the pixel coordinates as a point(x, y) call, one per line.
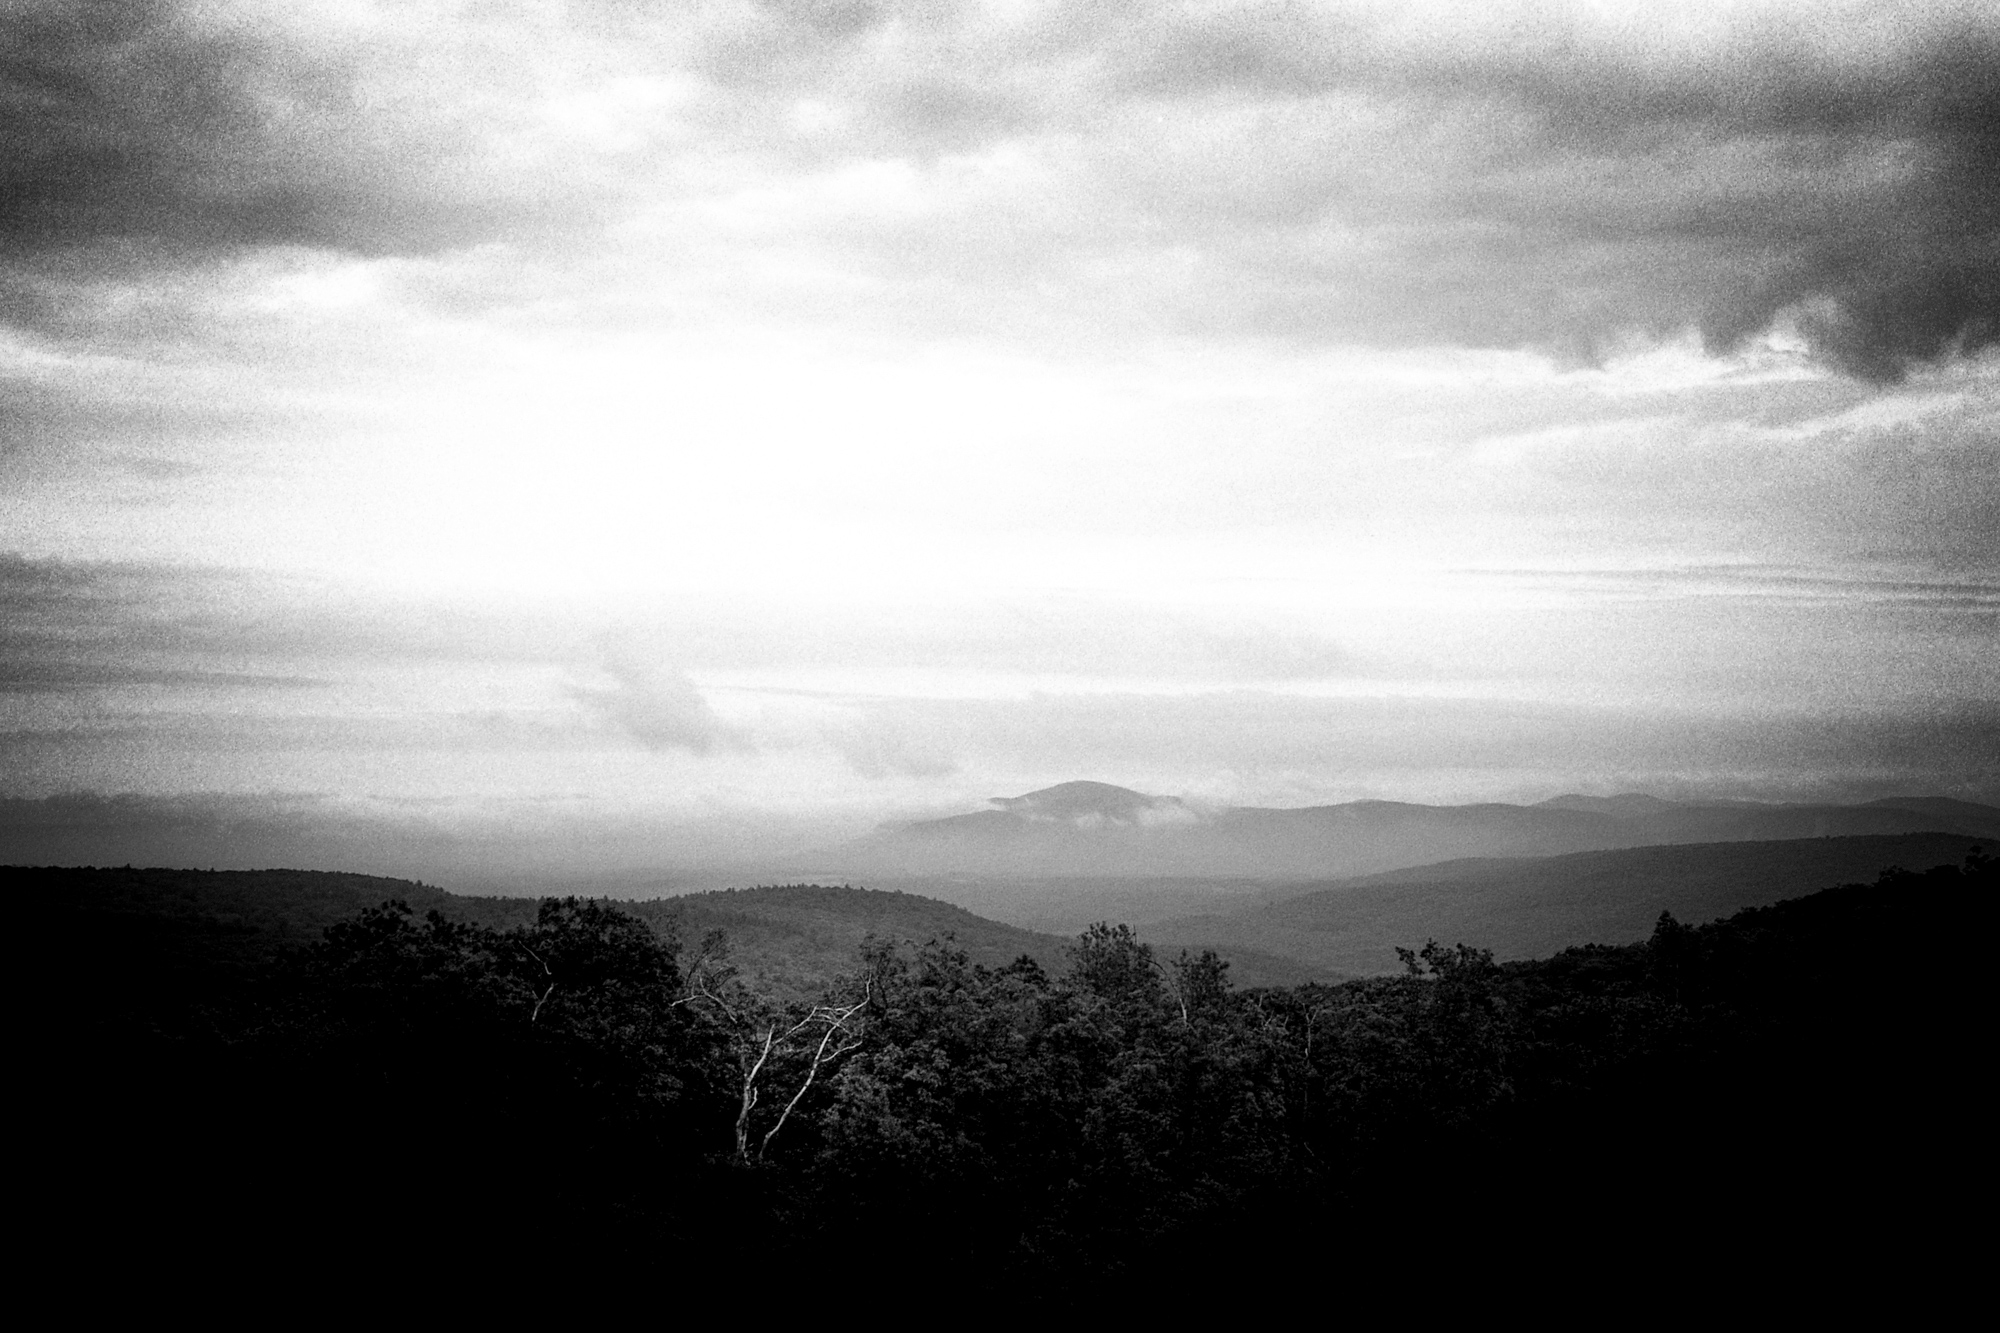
point(1523, 908)
point(790, 939)
point(205, 926)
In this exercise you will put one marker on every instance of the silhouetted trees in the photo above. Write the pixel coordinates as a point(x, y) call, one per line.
point(584, 1085)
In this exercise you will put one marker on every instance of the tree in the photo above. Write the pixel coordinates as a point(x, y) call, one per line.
point(773, 1045)
point(595, 961)
point(1109, 962)
point(1199, 984)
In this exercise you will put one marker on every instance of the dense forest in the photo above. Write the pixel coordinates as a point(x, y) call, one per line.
point(589, 1087)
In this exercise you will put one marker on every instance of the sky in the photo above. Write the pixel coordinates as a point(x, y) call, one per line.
point(678, 430)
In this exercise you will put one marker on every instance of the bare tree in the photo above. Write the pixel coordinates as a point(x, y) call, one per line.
point(838, 1029)
point(547, 973)
point(767, 1039)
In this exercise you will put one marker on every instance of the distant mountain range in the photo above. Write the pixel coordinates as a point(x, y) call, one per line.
point(1534, 907)
point(1286, 895)
point(1096, 829)
point(791, 939)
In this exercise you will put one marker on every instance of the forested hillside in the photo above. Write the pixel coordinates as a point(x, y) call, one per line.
point(788, 935)
point(791, 938)
point(785, 938)
point(1531, 907)
point(599, 1088)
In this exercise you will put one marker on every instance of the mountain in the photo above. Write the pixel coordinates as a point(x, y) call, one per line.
point(791, 939)
point(208, 926)
point(1522, 908)
point(1096, 829)
point(233, 917)
point(1943, 809)
point(1623, 805)
point(1071, 828)
point(1096, 805)
point(788, 937)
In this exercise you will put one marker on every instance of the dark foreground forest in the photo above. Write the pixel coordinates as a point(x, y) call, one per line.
point(1789, 1092)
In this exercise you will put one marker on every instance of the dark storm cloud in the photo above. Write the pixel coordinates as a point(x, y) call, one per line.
point(1605, 189)
point(1539, 177)
point(1912, 275)
point(1528, 177)
point(151, 123)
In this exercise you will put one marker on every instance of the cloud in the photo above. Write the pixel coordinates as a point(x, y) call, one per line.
point(219, 831)
point(1911, 275)
point(71, 621)
point(1567, 181)
point(520, 847)
point(17, 677)
point(661, 708)
point(1071, 635)
point(148, 617)
point(1260, 748)
point(161, 123)
point(1735, 680)
point(1527, 175)
point(1048, 633)
point(879, 744)
point(68, 627)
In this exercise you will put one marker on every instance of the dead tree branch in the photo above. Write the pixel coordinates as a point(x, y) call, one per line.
point(826, 1052)
point(750, 1094)
point(544, 997)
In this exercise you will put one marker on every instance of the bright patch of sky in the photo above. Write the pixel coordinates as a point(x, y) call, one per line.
point(855, 408)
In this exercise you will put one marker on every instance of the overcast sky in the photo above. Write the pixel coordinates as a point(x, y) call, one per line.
point(683, 413)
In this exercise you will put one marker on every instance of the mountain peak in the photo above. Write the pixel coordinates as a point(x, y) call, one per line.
point(1624, 805)
point(1089, 803)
